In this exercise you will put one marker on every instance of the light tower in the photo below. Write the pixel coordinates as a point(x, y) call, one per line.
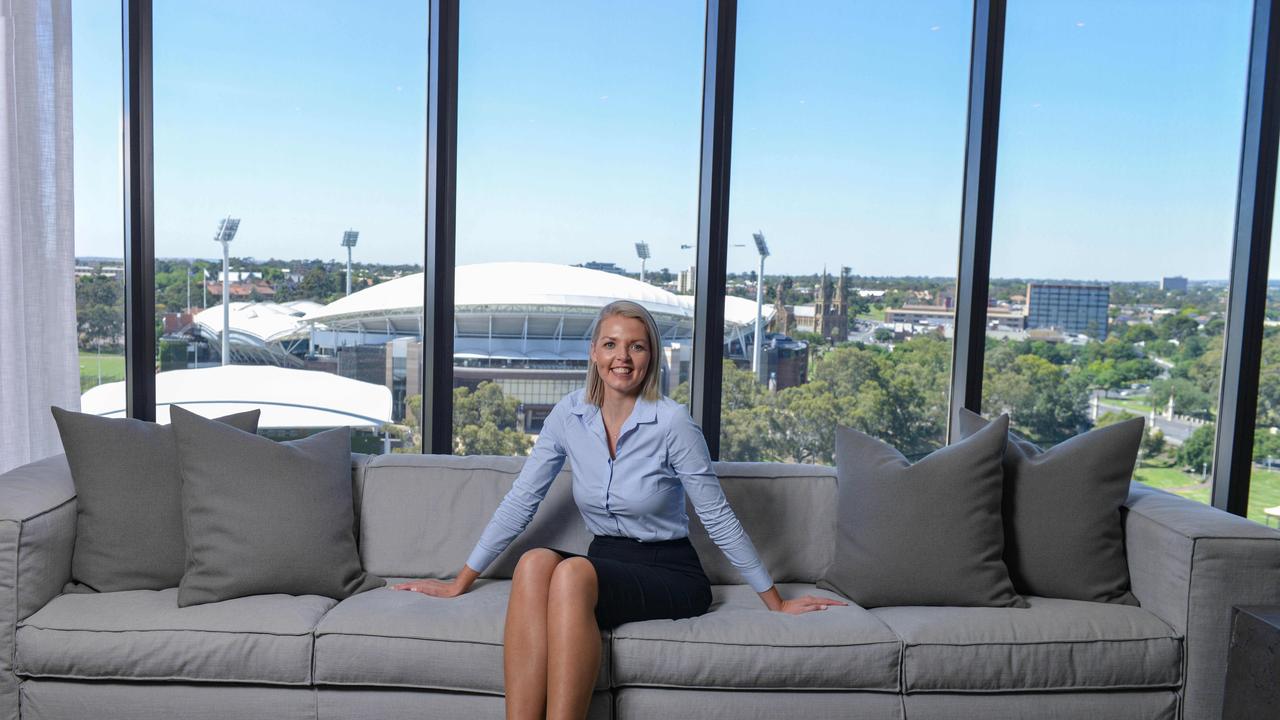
point(227, 228)
point(757, 366)
point(642, 252)
point(349, 239)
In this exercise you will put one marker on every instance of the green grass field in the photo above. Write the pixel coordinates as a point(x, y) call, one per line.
point(112, 369)
point(1137, 406)
point(1264, 486)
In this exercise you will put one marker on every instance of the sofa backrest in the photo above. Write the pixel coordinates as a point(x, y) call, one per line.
point(420, 515)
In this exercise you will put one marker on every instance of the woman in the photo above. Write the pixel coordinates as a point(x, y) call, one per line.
point(635, 456)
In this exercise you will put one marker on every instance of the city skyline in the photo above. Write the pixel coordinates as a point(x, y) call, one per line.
point(579, 135)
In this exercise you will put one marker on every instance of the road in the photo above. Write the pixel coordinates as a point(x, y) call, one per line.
point(1175, 431)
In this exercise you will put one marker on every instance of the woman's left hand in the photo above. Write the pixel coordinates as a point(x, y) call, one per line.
point(807, 603)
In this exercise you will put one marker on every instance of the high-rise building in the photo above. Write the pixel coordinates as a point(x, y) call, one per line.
point(1078, 309)
point(1177, 283)
point(685, 280)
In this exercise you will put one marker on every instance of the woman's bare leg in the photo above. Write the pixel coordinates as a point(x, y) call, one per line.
point(524, 656)
point(573, 639)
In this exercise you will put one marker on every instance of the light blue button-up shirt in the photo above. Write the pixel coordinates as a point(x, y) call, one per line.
point(661, 457)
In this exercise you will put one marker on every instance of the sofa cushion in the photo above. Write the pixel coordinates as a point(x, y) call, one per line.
point(741, 644)
point(788, 511)
point(266, 517)
point(1054, 644)
point(1062, 530)
point(144, 635)
point(420, 515)
point(927, 533)
point(397, 638)
point(129, 499)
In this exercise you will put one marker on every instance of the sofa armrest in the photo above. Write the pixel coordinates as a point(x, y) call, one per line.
point(37, 534)
point(1190, 564)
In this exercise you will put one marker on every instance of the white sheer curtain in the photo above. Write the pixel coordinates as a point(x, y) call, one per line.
point(39, 366)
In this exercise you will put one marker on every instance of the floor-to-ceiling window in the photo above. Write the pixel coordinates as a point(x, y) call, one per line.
point(289, 186)
point(1118, 160)
point(578, 132)
point(97, 97)
point(848, 151)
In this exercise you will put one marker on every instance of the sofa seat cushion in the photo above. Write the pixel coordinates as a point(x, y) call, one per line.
point(144, 635)
point(738, 643)
point(397, 638)
point(1052, 645)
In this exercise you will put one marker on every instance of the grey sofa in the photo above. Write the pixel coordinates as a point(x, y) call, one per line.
point(385, 653)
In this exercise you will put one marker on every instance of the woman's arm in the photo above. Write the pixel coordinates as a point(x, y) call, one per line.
point(512, 515)
point(689, 458)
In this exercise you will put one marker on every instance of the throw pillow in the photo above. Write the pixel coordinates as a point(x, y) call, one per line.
point(265, 517)
point(128, 499)
point(1063, 532)
point(922, 534)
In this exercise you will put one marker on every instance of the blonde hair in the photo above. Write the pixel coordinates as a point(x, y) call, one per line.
point(651, 389)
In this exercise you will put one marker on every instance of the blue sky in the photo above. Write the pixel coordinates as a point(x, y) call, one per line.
point(579, 132)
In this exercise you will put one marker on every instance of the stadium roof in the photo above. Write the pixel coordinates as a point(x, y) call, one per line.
point(288, 398)
point(258, 322)
point(525, 287)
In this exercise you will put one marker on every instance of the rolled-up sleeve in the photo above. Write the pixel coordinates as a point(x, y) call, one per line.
point(519, 505)
point(689, 458)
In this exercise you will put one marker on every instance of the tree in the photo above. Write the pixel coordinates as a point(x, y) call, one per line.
point(1153, 443)
point(883, 335)
point(99, 310)
point(740, 389)
point(1196, 452)
point(1139, 333)
point(484, 422)
point(1177, 327)
point(1188, 398)
point(1044, 401)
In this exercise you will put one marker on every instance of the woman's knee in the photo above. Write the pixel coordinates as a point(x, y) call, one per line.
point(537, 565)
point(574, 579)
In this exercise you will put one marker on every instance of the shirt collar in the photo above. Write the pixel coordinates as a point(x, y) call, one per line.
point(645, 411)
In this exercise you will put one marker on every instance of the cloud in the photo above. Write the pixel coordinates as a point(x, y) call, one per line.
point(935, 28)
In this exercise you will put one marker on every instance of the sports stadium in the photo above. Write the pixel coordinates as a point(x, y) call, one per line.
point(523, 325)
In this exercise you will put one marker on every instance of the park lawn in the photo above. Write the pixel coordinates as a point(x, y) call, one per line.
point(1166, 478)
point(112, 369)
point(1140, 406)
point(1264, 486)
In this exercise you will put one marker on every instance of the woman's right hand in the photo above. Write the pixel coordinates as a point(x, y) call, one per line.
point(442, 588)
point(434, 588)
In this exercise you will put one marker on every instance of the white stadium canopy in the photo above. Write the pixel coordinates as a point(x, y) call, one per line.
point(525, 288)
point(288, 398)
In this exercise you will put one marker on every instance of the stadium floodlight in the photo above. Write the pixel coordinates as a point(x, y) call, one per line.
point(642, 252)
point(349, 240)
point(763, 248)
point(227, 228)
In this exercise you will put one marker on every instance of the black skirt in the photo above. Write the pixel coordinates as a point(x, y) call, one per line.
point(646, 580)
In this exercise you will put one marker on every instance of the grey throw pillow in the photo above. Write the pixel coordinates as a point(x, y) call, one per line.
point(128, 500)
point(265, 517)
point(1062, 526)
point(922, 534)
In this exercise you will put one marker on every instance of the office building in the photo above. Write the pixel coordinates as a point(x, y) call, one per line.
point(1078, 309)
